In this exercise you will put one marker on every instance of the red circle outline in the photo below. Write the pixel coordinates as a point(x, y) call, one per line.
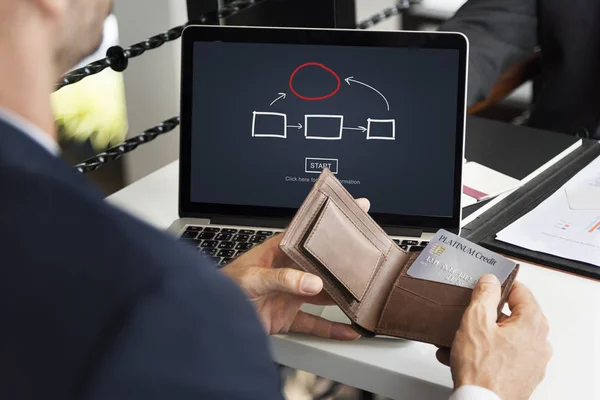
point(315, 64)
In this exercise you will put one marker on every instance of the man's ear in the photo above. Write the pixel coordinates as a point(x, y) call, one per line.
point(53, 8)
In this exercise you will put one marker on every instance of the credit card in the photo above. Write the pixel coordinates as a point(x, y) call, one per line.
point(453, 260)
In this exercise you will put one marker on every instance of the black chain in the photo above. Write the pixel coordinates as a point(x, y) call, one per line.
point(387, 13)
point(231, 8)
point(118, 60)
point(127, 146)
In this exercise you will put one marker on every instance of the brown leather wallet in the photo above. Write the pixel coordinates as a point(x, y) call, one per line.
point(364, 271)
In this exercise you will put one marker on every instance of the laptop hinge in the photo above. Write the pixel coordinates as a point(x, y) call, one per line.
point(249, 221)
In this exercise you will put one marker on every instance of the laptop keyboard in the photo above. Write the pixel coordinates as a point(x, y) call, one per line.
point(412, 246)
point(223, 245)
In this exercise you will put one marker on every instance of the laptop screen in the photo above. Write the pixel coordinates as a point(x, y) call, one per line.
point(266, 118)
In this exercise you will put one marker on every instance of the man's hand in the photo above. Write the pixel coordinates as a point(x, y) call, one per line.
point(508, 357)
point(278, 289)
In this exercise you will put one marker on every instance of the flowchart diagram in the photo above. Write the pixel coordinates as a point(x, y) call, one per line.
point(267, 124)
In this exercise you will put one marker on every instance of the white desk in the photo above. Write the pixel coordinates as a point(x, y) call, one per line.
point(407, 370)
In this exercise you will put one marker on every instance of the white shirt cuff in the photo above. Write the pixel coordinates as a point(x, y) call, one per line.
point(473, 393)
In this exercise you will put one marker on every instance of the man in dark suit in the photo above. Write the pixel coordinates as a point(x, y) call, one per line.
point(96, 305)
point(504, 32)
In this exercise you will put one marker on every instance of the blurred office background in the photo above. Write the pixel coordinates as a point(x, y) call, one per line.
point(151, 85)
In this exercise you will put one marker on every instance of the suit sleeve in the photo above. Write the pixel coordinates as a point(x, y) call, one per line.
point(473, 393)
point(500, 33)
point(187, 344)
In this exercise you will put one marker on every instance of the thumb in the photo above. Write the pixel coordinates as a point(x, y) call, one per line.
point(286, 280)
point(364, 204)
point(486, 298)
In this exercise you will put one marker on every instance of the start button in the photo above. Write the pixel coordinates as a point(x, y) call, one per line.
point(317, 165)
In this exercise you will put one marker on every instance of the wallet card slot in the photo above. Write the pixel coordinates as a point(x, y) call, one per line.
point(438, 292)
point(412, 316)
point(427, 311)
point(343, 250)
point(435, 292)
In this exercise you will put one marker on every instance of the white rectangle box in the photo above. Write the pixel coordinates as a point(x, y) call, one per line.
point(381, 121)
point(321, 160)
point(257, 115)
point(339, 134)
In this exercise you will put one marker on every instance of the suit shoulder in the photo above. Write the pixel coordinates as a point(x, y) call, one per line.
point(178, 345)
point(82, 271)
point(72, 213)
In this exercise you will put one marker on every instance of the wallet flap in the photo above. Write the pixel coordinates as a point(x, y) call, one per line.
point(333, 238)
point(339, 245)
point(334, 189)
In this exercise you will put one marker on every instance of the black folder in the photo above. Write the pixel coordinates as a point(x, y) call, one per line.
point(517, 151)
point(484, 228)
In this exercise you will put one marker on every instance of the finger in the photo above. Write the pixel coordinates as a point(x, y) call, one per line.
point(320, 327)
point(279, 258)
point(521, 300)
point(275, 240)
point(503, 318)
point(443, 356)
point(364, 204)
point(485, 299)
point(286, 280)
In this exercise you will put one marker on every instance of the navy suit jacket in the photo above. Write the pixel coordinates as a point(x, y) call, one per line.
point(96, 305)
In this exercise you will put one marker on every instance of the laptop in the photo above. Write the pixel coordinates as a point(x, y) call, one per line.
point(265, 110)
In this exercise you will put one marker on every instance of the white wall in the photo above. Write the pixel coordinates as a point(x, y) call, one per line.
point(152, 80)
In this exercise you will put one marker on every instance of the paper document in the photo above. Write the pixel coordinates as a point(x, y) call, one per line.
point(567, 224)
point(466, 201)
point(481, 183)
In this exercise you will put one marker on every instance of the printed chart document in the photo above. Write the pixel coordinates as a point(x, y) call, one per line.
point(567, 224)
